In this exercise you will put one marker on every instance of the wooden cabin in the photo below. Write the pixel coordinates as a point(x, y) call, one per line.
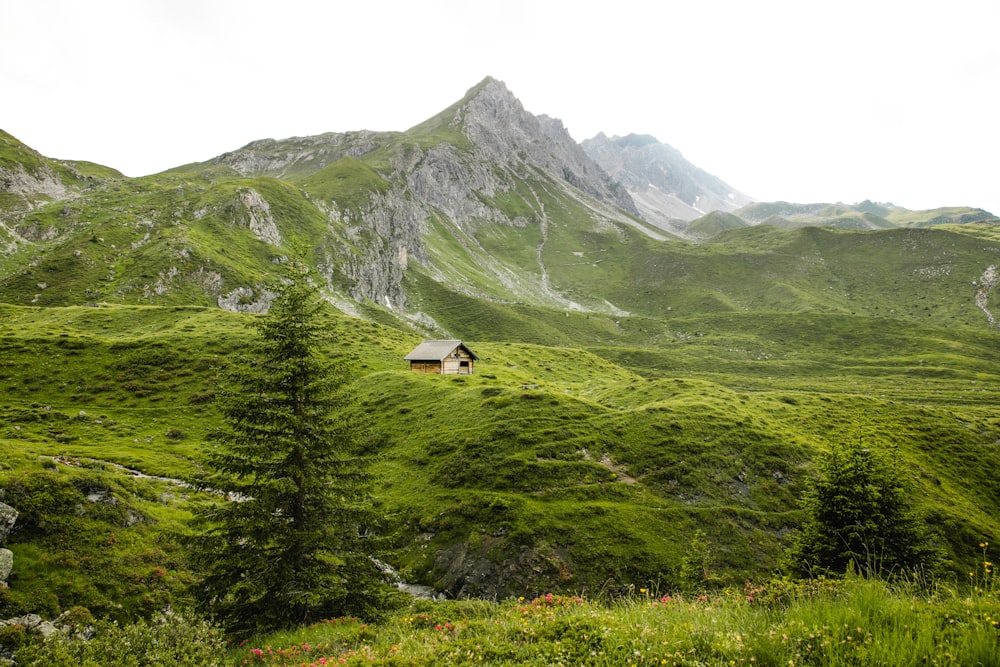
point(444, 357)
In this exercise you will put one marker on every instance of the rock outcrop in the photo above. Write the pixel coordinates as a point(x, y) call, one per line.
point(6, 566)
point(8, 517)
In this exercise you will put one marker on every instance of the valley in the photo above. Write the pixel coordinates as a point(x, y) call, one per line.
point(640, 380)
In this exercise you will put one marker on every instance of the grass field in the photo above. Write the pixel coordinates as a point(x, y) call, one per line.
point(552, 469)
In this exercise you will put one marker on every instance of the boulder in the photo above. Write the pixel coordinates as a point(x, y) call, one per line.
point(29, 621)
point(45, 629)
point(8, 515)
point(6, 563)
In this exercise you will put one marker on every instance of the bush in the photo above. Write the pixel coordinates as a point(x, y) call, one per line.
point(13, 637)
point(859, 518)
point(169, 639)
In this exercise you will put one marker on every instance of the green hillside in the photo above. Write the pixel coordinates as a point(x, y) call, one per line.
point(864, 215)
point(552, 468)
point(633, 388)
point(713, 223)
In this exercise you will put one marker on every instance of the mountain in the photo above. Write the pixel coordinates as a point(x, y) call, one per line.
point(460, 198)
point(634, 386)
point(668, 190)
point(483, 201)
point(866, 215)
point(29, 180)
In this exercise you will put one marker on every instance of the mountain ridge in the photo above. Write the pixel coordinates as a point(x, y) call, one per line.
point(483, 200)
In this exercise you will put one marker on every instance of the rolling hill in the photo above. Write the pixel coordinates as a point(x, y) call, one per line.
point(634, 387)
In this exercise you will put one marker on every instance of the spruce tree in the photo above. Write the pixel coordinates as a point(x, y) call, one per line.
point(294, 541)
point(859, 516)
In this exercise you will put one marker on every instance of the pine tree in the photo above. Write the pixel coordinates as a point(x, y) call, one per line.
point(294, 542)
point(859, 516)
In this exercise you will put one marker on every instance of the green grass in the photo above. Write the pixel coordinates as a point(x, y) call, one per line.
point(89, 536)
point(348, 182)
point(771, 622)
point(820, 623)
point(570, 469)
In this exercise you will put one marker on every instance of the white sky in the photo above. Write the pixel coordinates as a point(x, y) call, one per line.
point(803, 101)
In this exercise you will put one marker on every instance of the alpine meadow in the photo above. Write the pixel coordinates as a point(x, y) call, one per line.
point(686, 427)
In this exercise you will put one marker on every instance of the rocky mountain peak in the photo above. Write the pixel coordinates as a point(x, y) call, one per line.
point(668, 189)
point(504, 132)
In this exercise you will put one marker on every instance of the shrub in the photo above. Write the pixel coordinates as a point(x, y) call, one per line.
point(13, 637)
point(169, 639)
point(858, 516)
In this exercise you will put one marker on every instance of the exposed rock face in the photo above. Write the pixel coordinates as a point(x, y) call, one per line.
point(6, 565)
point(665, 186)
point(986, 285)
point(449, 182)
point(8, 517)
point(246, 300)
point(68, 622)
point(252, 211)
point(43, 181)
point(504, 133)
point(468, 573)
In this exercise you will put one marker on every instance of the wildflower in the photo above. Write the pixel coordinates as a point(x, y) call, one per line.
point(642, 590)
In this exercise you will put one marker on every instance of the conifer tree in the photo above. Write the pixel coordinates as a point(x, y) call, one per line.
point(294, 543)
point(859, 516)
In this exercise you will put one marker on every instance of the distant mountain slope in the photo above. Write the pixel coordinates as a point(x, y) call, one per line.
point(714, 223)
point(29, 180)
point(482, 219)
point(864, 215)
point(668, 189)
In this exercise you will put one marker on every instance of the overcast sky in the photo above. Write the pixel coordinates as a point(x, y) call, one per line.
point(798, 101)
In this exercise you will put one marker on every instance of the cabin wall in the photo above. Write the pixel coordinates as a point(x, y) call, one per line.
point(425, 366)
point(460, 365)
point(459, 362)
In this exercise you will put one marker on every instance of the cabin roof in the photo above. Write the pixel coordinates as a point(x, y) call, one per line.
point(438, 350)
